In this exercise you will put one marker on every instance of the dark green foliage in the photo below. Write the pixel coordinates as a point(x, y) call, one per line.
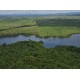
point(34, 55)
point(58, 22)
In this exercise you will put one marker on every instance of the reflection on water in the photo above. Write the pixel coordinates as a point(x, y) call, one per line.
point(73, 40)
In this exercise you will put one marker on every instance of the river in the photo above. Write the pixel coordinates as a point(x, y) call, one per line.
point(50, 42)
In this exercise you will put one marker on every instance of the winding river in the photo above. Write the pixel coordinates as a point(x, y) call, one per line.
point(73, 40)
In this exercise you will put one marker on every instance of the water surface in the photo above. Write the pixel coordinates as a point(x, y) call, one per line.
point(50, 42)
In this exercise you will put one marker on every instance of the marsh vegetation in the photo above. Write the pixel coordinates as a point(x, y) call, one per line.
point(42, 27)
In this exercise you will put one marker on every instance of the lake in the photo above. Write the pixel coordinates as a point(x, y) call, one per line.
point(50, 42)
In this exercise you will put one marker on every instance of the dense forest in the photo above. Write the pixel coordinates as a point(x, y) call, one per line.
point(34, 55)
point(58, 22)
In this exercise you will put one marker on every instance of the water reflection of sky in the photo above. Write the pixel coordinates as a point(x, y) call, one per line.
point(73, 40)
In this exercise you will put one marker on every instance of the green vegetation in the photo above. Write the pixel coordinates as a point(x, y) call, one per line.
point(58, 31)
point(15, 22)
point(62, 26)
point(40, 26)
point(41, 31)
point(34, 55)
point(59, 22)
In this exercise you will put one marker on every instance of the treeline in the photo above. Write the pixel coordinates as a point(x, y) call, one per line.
point(58, 22)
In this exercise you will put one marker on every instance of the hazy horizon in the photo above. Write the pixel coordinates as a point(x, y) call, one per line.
point(36, 11)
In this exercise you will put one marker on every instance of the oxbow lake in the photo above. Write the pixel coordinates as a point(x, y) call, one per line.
point(50, 42)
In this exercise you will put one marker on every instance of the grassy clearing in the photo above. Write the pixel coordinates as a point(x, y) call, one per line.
point(12, 23)
point(58, 31)
point(42, 31)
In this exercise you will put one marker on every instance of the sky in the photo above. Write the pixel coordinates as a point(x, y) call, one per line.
point(35, 11)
